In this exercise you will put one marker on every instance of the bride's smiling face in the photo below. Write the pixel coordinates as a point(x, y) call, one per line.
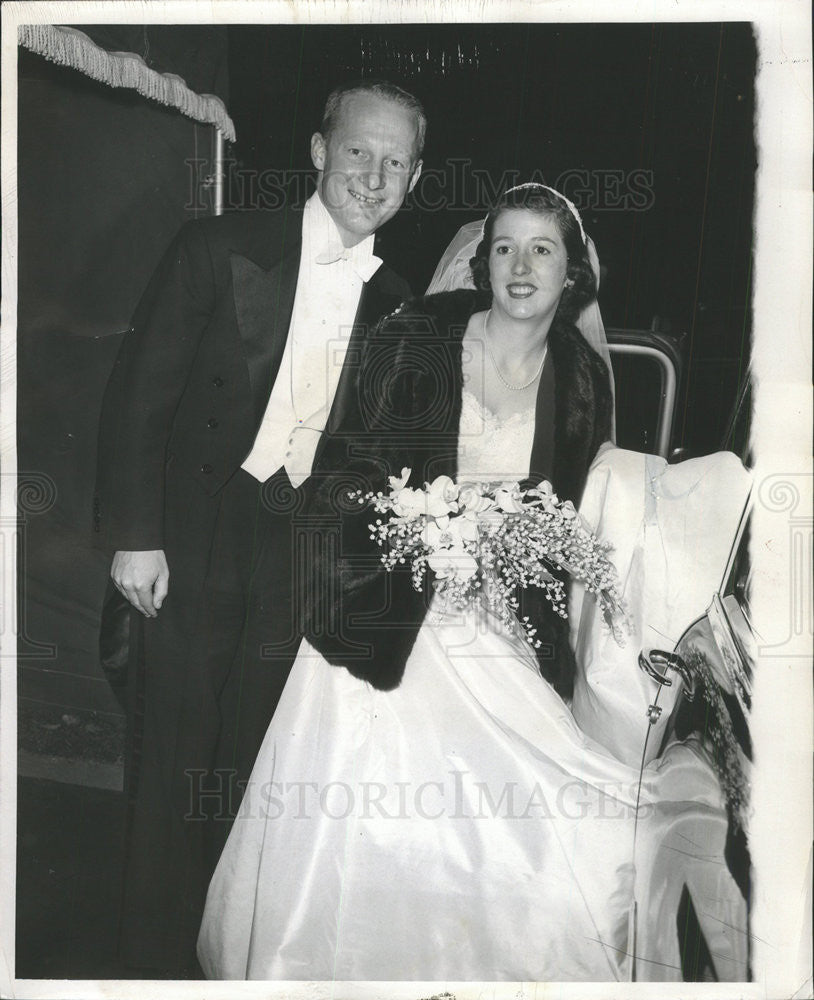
point(527, 265)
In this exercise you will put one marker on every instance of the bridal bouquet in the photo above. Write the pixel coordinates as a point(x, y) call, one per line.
point(483, 541)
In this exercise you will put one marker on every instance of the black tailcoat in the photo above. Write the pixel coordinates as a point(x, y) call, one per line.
point(186, 397)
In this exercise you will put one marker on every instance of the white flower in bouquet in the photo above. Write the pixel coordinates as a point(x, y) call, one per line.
point(445, 532)
point(409, 503)
point(442, 491)
point(435, 500)
point(454, 563)
point(472, 499)
point(509, 498)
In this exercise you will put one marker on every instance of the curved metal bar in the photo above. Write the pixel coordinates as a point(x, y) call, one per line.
point(668, 389)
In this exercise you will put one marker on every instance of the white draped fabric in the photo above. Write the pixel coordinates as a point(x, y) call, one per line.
point(672, 529)
point(465, 826)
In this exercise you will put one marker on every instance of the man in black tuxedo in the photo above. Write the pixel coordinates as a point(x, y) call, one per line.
point(240, 361)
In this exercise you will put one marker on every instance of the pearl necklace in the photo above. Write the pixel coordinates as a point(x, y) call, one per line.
point(499, 373)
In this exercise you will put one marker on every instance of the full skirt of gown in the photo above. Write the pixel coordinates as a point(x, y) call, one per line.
point(462, 826)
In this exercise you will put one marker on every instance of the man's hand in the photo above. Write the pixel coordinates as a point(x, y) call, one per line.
point(143, 578)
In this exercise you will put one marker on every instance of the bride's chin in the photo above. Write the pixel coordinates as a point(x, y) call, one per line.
point(518, 309)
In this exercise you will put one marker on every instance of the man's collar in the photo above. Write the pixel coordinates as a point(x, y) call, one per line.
point(321, 236)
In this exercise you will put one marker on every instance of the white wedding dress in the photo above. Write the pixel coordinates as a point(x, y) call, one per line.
point(462, 826)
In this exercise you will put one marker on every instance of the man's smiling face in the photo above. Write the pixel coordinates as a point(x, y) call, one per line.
point(367, 163)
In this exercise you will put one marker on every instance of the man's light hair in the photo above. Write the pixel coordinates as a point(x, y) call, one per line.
point(379, 88)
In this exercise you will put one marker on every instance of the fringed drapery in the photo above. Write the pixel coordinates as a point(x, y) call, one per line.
point(70, 47)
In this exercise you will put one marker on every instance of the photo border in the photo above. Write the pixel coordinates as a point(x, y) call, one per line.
point(780, 838)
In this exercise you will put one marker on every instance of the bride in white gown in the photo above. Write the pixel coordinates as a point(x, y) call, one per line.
point(448, 818)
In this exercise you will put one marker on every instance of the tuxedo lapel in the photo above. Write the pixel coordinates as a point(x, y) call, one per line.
point(374, 303)
point(264, 300)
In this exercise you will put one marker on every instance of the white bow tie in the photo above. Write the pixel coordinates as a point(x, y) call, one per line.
point(363, 261)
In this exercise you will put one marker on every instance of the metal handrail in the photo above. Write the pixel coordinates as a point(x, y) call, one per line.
point(644, 343)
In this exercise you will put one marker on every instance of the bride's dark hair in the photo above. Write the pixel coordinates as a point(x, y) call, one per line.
point(539, 199)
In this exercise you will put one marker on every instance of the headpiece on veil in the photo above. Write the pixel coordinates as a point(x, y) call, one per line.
point(544, 187)
point(454, 271)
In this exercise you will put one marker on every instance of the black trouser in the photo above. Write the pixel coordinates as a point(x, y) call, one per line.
point(213, 665)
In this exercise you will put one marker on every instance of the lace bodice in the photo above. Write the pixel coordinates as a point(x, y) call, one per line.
point(490, 447)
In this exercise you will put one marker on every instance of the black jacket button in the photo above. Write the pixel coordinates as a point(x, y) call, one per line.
point(212, 423)
point(217, 381)
point(206, 468)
